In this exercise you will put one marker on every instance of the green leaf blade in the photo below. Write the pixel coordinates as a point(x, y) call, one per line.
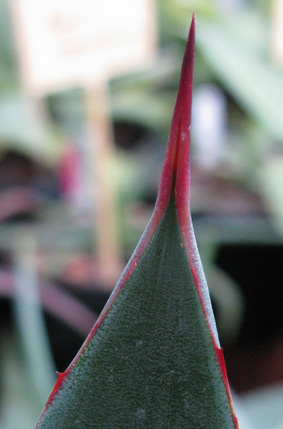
point(153, 358)
point(152, 361)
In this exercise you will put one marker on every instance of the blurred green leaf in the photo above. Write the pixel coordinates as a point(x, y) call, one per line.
point(20, 402)
point(247, 74)
point(21, 131)
point(271, 178)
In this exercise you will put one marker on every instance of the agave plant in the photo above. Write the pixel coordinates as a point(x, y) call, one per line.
point(153, 358)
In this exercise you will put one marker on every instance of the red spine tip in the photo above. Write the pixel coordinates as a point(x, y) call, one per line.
point(175, 171)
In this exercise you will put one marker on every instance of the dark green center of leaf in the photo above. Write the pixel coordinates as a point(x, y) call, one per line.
point(151, 363)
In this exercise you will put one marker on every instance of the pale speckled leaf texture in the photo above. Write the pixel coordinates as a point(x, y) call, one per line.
point(153, 358)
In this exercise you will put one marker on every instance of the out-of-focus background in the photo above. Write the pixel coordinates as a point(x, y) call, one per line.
point(86, 99)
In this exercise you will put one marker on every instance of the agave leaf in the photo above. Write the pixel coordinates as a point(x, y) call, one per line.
point(153, 358)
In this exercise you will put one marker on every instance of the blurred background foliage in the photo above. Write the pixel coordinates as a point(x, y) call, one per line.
point(47, 242)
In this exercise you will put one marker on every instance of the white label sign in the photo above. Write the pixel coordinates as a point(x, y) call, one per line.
point(66, 43)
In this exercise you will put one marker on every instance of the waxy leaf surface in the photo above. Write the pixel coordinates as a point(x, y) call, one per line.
point(153, 358)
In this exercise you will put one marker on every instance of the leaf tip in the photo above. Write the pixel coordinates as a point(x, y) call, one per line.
point(175, 171)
